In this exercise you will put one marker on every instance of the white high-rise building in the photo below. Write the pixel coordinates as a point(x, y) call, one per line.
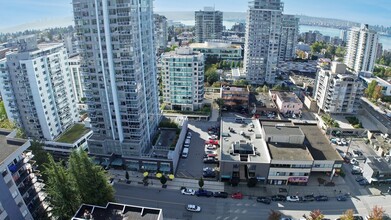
point(208, 24)
point(361, 49)
point(183, 79)
point(118, 66)
point(288, 40)
point(337, 90)
point(160, 32)
point(263, 32)
point(37, 90)
point(77, 80)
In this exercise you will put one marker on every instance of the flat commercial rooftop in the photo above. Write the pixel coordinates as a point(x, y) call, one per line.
point(318, 144)
point(286, 151)
point(6, 147)
point(117, 211)
point(244, 131)
point(287, 129)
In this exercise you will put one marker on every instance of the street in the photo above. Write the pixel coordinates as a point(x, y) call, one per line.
point(173, 205)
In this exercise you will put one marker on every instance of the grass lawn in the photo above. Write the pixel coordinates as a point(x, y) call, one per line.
point(73, 134)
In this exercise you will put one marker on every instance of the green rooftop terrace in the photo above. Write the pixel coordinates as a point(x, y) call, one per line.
point(72, 134)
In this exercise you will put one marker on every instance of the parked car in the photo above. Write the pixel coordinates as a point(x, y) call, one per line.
point(264, 200)
point(208, 169)
point(279, 198)
point(308, 198)
point(292, 198)
point(193, 208)
point(359, 178)
point(220, 195)
point(354, 162)
point(237, 195)
point(356, 172)
point(357, 153)
point(210, 152)
point(356, 168)
point(211, 160)
point(210, 155)
point(341, 198)
point(321, 198)
point(363, 182)
point(210, 147)
point(202, 192)
point(209, 174)
point(215, 142)
point(213, 137)
point(188, 191)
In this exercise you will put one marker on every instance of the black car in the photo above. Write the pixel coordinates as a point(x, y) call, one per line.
point(203, 192)
point(211, 160)
point(308, 198)
point(341, 198)
point(264, 200)
point(220, 195)
point(279, 198)
point(321, 198)
point(209, 174)
point(356, 172)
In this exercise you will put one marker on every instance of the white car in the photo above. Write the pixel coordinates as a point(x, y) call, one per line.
point(213, 137)
point(193, 208)
point(210, 147)
point(356, 168)
point(188, 191)
point(354, 162)
point(210, 152)
point(292, 198)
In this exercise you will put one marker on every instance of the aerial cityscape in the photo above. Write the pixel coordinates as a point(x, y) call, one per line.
point(159, 109)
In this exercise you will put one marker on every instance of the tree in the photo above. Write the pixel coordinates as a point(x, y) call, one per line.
point(240, 82)
point(90, 180)
point(377, 93)
point(348, 215)
point(163, 180)
point(212, 78)
point(316, 215)
point(274, 215)
point(127, 175)
point(317, 47)
point(62, 194)
point(371, 88)
point(201, 182)
point(219, 102)
point(41, 157)
point(377, 213)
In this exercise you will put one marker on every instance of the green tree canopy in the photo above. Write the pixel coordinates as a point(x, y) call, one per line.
point(212, 78)
point(201, 182)
point(371, 89)
point(240, 82)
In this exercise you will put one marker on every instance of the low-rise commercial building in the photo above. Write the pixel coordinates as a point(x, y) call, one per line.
point(377, 169)
point(118, 211)
point(235, 97)
point(287, 102)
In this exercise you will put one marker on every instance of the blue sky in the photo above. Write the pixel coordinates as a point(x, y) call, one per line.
point(16, 12)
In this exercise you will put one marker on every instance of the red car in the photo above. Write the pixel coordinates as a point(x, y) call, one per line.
point(237, 195)
point(214, 142)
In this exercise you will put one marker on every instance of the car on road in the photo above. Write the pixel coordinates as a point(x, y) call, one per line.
point(210, 155)
point(214, 142)
point(203, 192)
point(356, 168)
point(210, 152)
point(208, 169)
point(357, 153)
point(308, 198)
point(279, 198)
point(264, 200)
point(211, 160)
point(341, 198)
point(237, 195)
point(193, 208)
point(321, 198)
point(220, 195)
point(188, 191)
point(213, 137)
point(359, 178)
point(292, 199)
point(354, 162)
point(285, 218)
point(210, 147)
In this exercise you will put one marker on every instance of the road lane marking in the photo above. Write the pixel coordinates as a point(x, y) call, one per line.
point(150, 200)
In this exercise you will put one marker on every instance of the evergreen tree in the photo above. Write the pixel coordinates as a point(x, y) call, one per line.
point(90, 180)
point(201, 183)
point(62, 195)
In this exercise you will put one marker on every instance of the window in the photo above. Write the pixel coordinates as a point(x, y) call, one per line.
point(14, 194)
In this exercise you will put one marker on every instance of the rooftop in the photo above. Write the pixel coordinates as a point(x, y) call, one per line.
point(73, 134)
point(116, 211)
point(287, 96)
point(277, 128)
point(318, 144)
point(211, 45)
point(380, 164)
point(286, 151)
point(242, 136)
point(7, 147)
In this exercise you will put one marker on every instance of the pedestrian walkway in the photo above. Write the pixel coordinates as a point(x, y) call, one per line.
point(136, 179)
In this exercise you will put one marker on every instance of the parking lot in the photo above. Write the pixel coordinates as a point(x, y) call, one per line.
point(192, 166)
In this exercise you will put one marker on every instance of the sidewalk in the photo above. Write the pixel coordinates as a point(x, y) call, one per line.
point(136, 178)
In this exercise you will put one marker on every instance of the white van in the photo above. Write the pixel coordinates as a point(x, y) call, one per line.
point(185, 152)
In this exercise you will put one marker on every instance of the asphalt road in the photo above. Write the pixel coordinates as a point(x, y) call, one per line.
point(173, 205)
